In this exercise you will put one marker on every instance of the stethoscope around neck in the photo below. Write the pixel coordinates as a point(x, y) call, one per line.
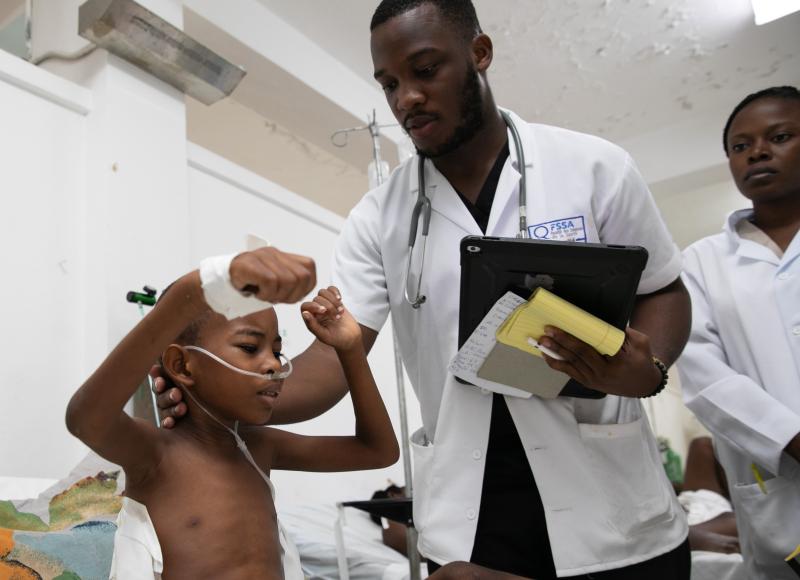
point(422, 208)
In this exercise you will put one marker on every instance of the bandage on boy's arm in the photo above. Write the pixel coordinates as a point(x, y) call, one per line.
point(95, 413)
point(240, 284)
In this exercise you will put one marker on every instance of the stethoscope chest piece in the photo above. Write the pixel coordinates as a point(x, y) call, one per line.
point(422, 208)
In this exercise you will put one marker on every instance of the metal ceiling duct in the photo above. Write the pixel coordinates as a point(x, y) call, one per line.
point(132, 32)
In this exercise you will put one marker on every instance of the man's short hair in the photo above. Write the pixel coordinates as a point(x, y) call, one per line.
point(460, 13)
point(785, 92)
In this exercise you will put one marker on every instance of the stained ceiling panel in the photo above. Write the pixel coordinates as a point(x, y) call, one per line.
point(617, 68)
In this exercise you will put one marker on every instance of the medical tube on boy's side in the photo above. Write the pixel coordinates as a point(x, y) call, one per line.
point(546, 309)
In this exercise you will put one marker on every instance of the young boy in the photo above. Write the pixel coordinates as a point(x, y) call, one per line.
point(741, 367)
point(194, 502)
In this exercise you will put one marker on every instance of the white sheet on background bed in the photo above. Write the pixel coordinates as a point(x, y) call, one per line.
point(701, 506)
point(13, 488)
point(311, 527)
point(715, 566)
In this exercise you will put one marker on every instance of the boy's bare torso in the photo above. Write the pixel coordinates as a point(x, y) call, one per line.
point(212, 510)
point(213, 513)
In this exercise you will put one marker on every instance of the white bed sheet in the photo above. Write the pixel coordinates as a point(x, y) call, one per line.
point(311, 527)
point(715, 566)
point(17, 488)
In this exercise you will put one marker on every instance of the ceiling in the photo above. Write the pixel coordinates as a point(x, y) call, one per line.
point(617, 68)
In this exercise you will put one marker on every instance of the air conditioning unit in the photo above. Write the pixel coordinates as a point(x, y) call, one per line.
point(134, 33)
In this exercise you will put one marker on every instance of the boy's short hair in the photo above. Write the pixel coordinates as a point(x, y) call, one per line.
point(460, 13)
point(784, 92)
point(191, 333)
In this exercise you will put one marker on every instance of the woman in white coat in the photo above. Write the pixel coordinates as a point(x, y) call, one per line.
point(741, 368)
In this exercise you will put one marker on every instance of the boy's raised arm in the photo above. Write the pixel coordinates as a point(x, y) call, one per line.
point(374, 444)
point(95, 413)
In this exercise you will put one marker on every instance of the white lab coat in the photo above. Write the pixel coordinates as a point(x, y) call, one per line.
point(607, 500)
point(741, 377)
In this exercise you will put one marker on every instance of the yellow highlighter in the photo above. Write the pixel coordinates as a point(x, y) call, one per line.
point(793, 560)
point(546, 309)
point(759, 479)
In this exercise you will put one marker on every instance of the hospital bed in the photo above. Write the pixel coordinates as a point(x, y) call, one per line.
point(311, 525)
point(85, 547)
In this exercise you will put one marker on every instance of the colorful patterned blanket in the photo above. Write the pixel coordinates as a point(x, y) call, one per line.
point(65, 534)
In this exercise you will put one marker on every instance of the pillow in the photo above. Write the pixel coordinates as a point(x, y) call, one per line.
point(67, 532)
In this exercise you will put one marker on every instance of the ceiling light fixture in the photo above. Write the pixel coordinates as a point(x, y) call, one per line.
point(769, 10)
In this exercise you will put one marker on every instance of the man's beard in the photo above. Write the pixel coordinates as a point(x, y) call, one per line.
point(471, 111)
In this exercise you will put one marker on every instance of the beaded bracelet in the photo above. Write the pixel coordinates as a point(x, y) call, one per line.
point(664, 378)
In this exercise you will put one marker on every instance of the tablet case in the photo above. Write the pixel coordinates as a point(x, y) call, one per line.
point(601, 279)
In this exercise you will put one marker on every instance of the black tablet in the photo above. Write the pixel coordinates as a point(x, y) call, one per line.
point(601, 279)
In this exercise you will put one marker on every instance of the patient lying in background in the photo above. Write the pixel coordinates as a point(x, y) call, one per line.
point(199, 502)
point(704, 494)
point(393, 533)
point(394, 536)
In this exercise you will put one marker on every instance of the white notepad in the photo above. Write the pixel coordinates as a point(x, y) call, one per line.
point(471, 356)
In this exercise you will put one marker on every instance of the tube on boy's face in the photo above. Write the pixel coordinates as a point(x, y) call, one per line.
point(286, 366)
point(237, 373)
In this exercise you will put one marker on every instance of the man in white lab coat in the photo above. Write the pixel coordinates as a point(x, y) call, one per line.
point(741, 368)
point(533, 487)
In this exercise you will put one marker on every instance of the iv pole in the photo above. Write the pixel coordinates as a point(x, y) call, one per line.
point(411, 532)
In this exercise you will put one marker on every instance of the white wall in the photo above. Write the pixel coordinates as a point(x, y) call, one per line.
point(42, 147)
point(84, 170)
point(697, 213)
point(94, 176)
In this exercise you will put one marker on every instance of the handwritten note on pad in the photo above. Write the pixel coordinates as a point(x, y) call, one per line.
point(479, 345)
